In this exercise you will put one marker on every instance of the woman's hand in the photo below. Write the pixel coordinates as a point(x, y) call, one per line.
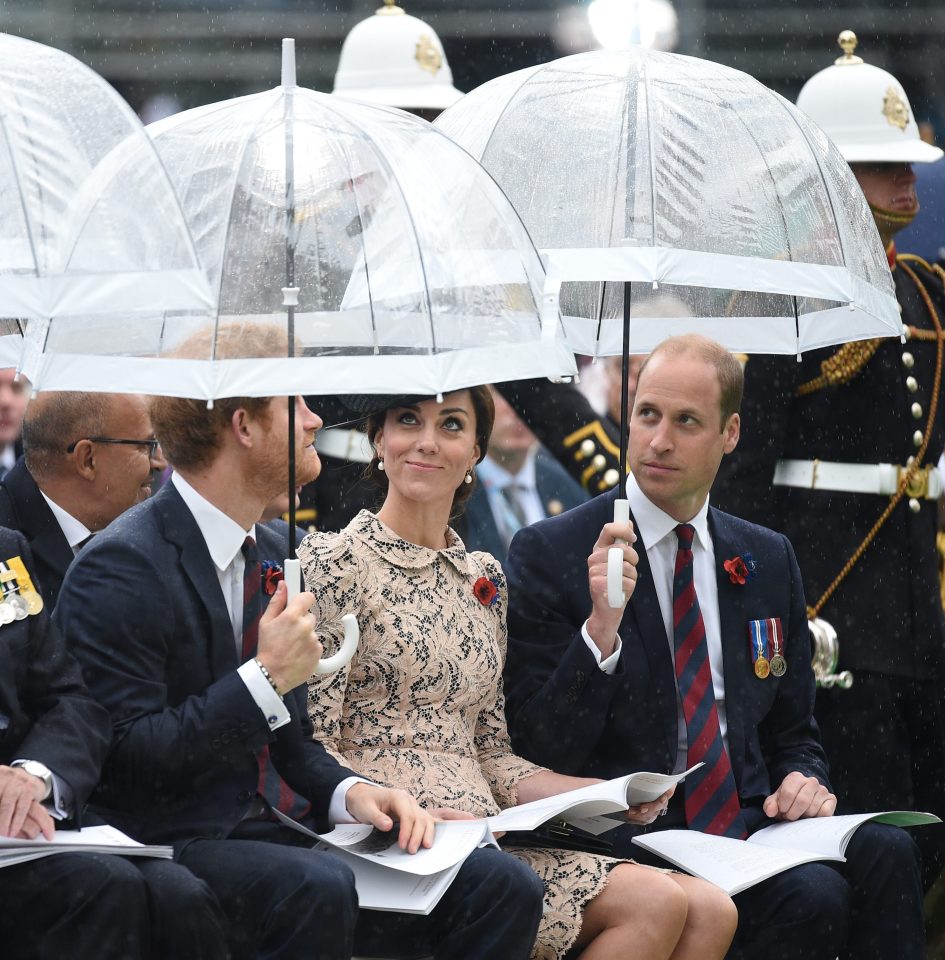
point(645, 813)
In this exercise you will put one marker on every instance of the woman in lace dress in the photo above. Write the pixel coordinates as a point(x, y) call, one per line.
point(421, 707)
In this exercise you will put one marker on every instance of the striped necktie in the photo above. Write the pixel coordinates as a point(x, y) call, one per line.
point(270, 786)
point(712, 804)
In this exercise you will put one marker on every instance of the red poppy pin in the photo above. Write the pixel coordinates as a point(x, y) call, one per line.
point(271, 576)
point(741, 569)
point(486, 591)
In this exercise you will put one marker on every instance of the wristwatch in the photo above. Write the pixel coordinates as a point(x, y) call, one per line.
point(40, 770)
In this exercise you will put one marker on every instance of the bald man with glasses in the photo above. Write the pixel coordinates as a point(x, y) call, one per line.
point(88, 457)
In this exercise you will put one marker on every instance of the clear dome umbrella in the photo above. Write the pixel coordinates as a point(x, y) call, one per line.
point(648, 177)
point(89, 222)
point(412, 270)
point(390, 259)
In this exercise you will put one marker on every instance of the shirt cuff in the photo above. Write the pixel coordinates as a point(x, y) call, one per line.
point(61, 801)
point(338, 809)
point(609, 665)
point(260, 689)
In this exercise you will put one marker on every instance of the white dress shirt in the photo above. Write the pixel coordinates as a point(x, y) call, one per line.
point(657, 532)
point(75, 532)
point(224, 538)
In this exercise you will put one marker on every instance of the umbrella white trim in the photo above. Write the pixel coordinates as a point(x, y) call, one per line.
point(780, 335)
point(285, 376)
point(696, 268)
point(35, 297)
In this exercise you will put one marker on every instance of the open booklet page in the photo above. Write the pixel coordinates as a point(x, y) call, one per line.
point(388, 878)
point(736, 865)
point(97, 839)
point(587, 803)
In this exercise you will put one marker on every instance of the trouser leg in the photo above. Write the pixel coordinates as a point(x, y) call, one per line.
point(281, 901)
point(82, 906)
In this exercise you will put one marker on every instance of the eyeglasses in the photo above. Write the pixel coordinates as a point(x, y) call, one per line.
point(152, 444)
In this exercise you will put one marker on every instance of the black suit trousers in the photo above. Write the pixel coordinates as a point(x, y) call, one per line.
point(83, 906)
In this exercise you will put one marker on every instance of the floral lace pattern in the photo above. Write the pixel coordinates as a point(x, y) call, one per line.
point(420, 706)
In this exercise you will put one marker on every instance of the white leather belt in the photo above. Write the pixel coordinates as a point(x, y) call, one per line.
point(877, 478)
point(345, 445)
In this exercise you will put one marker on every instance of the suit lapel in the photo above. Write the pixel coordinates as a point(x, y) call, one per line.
point(644, 618)
point(181, 529)
point(39, 524)
point(733, 619)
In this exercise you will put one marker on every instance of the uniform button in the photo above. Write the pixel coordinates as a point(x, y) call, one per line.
point(611, 477)
point(917, 410)
point(588, 447)
point(908, 361)
point(917, 438)
point(272, 720)
point(914, 505)
point(912, 384)
point(245, 796)
point(599, 462)
point(910, 461)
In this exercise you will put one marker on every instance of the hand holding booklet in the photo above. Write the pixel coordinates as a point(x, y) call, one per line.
point(388, 878)
point(736, 865)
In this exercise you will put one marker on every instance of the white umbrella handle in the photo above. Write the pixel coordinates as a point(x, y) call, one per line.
point(615, 595)
point(292, 571)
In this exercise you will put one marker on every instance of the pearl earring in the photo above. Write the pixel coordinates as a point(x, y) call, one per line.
point(469, 477)
point(380, 465)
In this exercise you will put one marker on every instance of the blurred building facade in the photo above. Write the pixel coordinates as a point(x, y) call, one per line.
point(197, 51)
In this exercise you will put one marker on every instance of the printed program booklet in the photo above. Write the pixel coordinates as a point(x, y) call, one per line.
point(97, 839)
point(736, 865)
point(387, 878)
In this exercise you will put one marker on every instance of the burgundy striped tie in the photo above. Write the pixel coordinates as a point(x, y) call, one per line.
point(270, 786)
point(711, 797)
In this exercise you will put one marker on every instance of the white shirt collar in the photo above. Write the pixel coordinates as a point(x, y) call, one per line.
point(496, 477)
point(73, 530)
point(652, 524)
point(223, 535)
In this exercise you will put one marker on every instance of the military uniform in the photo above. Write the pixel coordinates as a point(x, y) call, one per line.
point(558, 414)
point(872, 403)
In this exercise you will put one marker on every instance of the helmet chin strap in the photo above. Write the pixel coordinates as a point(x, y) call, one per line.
point(890, 222)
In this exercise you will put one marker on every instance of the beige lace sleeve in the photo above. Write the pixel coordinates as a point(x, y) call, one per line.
point(331, 571)
point(500, 766)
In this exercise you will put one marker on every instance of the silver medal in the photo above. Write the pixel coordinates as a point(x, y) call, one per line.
point(21, 609)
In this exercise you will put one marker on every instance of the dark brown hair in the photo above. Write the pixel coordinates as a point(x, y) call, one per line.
point(191, 433)
point(484, 410)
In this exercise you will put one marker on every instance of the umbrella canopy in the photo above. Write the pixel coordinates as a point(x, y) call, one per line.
point(411, 270)
point(89, 222)
point(661, 169)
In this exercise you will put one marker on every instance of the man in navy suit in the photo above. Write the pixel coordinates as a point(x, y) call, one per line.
point(686, 669)
point(88, 458)
point(208, 701)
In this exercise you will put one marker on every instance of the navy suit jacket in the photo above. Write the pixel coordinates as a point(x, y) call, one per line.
point(567, 714)
point(143, 611)
point(23, 508)
point(477, 526)
point(46, 714)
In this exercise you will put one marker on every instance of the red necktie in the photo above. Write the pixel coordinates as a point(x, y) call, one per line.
point(712, 804)
point(270, 786)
